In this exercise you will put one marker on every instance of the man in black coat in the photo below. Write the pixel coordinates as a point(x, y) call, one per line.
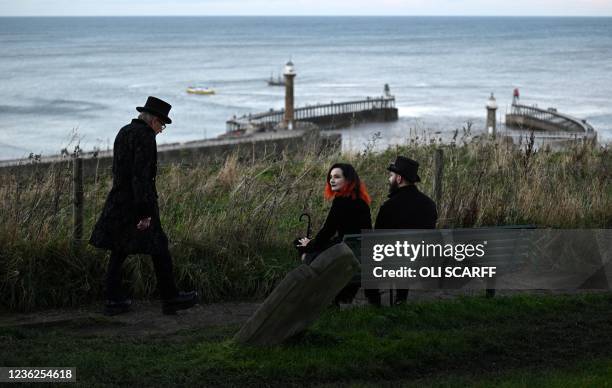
point(406, 208)
point(130, 222)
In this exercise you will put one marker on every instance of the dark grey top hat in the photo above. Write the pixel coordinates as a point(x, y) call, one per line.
point(157, 107)
point(406, 167)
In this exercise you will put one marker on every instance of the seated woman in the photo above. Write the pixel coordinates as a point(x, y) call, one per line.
point(349, 214)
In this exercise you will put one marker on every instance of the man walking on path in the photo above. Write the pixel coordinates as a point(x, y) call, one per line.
point(406, 208)
point(130, 222)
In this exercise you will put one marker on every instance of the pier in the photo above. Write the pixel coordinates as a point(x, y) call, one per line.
point(549, 120)
point(325, 116)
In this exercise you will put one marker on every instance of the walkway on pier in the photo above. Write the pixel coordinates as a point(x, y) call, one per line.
point(326, 116)
point(532, 117)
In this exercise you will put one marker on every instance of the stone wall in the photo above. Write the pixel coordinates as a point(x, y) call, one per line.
point(192, 153)
point(343, 120)
point(521, 121)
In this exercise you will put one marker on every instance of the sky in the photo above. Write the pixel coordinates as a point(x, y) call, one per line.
point(305, 7)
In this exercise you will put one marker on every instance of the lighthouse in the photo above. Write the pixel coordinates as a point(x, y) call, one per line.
point(491, 111)
point(289, 102)
point(515, 97)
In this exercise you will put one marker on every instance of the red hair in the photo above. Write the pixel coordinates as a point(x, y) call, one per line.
point(354, 187)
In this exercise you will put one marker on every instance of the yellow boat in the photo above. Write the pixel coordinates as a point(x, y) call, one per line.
point(203, 91)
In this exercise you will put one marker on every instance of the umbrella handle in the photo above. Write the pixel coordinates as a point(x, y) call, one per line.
point(308, 228)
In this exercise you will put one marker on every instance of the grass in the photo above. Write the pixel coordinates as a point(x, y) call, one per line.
point(510, 341)
point(231, 223)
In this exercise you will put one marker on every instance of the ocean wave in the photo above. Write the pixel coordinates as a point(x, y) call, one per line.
point(339, 85)
point(235, 81)
point(54, 107)
point(140, 86)
point(6, 146)
point(419, 110)
point(10, 151)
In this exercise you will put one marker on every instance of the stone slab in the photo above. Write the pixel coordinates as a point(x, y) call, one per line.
point(300, 298)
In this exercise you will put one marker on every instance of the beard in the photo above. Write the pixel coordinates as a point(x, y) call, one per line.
point(393, 187)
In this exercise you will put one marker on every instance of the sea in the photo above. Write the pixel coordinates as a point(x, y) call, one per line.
point(76, 81)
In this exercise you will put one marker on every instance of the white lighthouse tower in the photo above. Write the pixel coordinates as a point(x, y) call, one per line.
point(491, 114)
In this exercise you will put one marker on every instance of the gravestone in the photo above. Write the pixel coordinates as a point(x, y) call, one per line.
point(300, 298)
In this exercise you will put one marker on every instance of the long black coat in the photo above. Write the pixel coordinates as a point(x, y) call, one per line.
point(346, 216)
point(407, 208)
point(133, 195)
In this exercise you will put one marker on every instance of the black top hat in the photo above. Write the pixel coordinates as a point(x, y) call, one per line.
point(157, 107)
point(407, 168)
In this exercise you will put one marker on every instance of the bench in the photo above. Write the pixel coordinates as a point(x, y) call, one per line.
point(505, 252)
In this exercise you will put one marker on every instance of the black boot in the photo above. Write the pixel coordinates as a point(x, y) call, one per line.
point(373, 296)
point(114, 307)
point(401, 297)
point(182, 301)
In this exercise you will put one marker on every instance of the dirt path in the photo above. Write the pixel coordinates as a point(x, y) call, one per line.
point(144, 319)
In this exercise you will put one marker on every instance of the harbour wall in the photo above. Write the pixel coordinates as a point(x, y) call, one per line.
point(344, 120)
point(526, 122)
point(189, 154)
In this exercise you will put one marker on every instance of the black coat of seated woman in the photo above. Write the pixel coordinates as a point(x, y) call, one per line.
point(349, 214)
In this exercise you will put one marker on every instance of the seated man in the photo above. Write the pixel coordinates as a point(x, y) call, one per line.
point(406, 208)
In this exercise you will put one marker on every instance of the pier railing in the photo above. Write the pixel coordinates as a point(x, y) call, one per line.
point(273, 117)
point(549, 117)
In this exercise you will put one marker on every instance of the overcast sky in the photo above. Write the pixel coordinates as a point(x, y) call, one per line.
point(305, 7)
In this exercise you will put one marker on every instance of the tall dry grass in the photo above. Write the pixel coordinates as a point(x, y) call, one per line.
point(230, 224)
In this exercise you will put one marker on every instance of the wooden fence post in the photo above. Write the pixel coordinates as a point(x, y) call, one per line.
point(77, 196)
point(438, 174)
